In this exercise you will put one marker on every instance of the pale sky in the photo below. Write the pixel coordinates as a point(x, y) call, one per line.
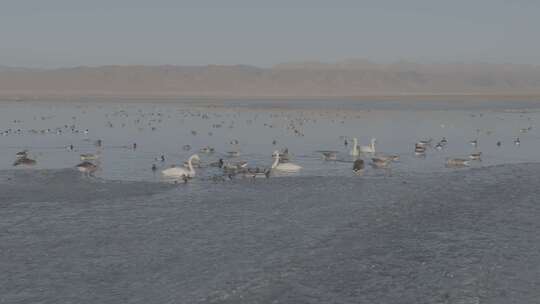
point(58, 33)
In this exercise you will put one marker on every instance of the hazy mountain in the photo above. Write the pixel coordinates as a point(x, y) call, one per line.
point(305, 79)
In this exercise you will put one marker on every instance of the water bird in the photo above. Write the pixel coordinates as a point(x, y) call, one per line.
point(369, 148)
point(207, 150)
point(179, 172)
point(457, 162)
point(476, 156)
point(474, 142)
point(21, 154)
point(358, 165)
point(517, 142)
point(88, 156)
point(87, 167)
point(24, 161)
point(424, 142)
point(329, 155)
point(283, 167)
point(419, 150)
point(380, 163)
point(186, 147)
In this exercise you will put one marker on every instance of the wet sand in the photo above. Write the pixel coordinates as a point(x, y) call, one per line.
point(449, 237)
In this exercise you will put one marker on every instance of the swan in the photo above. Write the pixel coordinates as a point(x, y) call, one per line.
point(354, 151)
point(182, 172)
point(284, 167)
point(369, 148)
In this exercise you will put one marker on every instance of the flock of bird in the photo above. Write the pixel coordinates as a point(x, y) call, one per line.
point(358, 155)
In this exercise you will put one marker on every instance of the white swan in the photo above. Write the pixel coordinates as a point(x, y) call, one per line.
point(369, 148)
point(354, 151)
point(179, 172)
point(283, 167)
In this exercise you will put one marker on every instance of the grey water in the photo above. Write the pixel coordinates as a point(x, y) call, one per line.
point(418, 233)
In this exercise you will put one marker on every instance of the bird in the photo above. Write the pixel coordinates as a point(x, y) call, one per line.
point(179, 172)
point(476, 156)
point(329, 155)
point(517, 142)
point(419, 150)
point(283, 167)
point(24, 161)
point(369, 148)
point(380, 163)
point(86, 167)
point(358, 166)
point(457, 162)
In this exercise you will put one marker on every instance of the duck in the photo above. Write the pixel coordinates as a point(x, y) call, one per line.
point(207, 150)
point(424, 143)
point(419, 150)
point(21, 154)
point(384, 157)
point(358, 166)
point(283, 167)
point(86, 167)
point(457, 162)
point(24, 161)
point(88, 156)
point(179, 172)
point(476, 156)
point(329, 155)
point(474, 142)
point(444, 141)
point(233, 153)
point(369, 148)
point(380, 163)
point(517, 142)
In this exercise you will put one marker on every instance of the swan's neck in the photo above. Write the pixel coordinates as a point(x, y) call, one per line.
point(276, 162)
point(190, 165)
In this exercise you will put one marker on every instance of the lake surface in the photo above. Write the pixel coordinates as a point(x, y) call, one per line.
point(417, 233)
point(47, 129)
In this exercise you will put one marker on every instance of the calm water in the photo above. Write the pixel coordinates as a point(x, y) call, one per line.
point(418, 233)
point(46, 129)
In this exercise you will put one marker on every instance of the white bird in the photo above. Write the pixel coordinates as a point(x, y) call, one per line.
point(369, 148)
point(354, 151)
point(179, 172)
point(283, 167)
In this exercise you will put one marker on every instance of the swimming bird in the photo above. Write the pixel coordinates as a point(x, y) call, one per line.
point(444, 141)
point(474, 142)
point(380, 163)
point(24, 161)
point(283, 167)
point(89, 156)
point(457, 162)
point(419, 150)
point(476, 156)
point(179, 172)
point(358, 165)
point(207, 150)
point(86, 167)
point(355, 151)
point(424, 142)
point(21, 154)
point(369, 148)
point(329, 155)
point(517, 142)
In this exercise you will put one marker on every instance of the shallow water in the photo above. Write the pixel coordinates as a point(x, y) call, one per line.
point(418, 233)
point(467, 236)
point(47, 128)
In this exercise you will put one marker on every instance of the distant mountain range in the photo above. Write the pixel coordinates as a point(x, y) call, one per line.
point(308, 79)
